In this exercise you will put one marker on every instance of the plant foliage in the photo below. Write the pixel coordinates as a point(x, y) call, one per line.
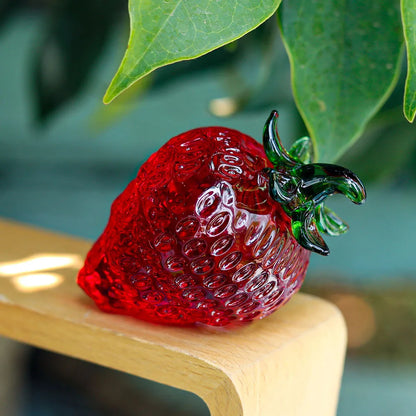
point(163, 32)
point(345, 55)
point(409, 25)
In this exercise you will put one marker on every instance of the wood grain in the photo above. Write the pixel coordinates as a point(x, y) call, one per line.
point(289, 364)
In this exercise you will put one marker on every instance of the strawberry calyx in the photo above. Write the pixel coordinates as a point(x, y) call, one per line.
point(301, 187)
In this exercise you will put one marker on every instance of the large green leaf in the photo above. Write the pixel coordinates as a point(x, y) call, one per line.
point(345, 57)
point(409, 26)
point(167, 31)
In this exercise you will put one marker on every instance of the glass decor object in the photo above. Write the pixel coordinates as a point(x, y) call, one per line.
point(215, 230)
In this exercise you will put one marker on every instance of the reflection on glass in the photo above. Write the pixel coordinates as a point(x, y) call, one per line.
point(36, 281)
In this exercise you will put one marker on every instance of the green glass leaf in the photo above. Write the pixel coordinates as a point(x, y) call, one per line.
point(301, 188)
point(302, 150)
point(409, 26)
point(328, 222)
point(167, 31)
point(345, 58)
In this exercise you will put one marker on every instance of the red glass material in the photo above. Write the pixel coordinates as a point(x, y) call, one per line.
point(196, 237)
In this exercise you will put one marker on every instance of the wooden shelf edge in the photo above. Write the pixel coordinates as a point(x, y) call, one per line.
point(297, 352)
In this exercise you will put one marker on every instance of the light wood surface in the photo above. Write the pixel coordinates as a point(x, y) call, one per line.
point(288, 364)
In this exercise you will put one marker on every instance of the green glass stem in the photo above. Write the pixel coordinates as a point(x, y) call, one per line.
point(301, 188)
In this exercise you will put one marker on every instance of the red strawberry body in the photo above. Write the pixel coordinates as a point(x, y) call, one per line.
point(211, 232)
point(196, 237)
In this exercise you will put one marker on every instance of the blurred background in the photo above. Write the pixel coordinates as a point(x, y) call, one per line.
point(64, 157)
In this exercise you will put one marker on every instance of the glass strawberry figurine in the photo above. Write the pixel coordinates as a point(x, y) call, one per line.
point(215, 229)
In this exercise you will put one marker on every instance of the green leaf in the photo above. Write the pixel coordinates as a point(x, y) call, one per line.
point(409, 26)
point(167, 31)
point(345, 58)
